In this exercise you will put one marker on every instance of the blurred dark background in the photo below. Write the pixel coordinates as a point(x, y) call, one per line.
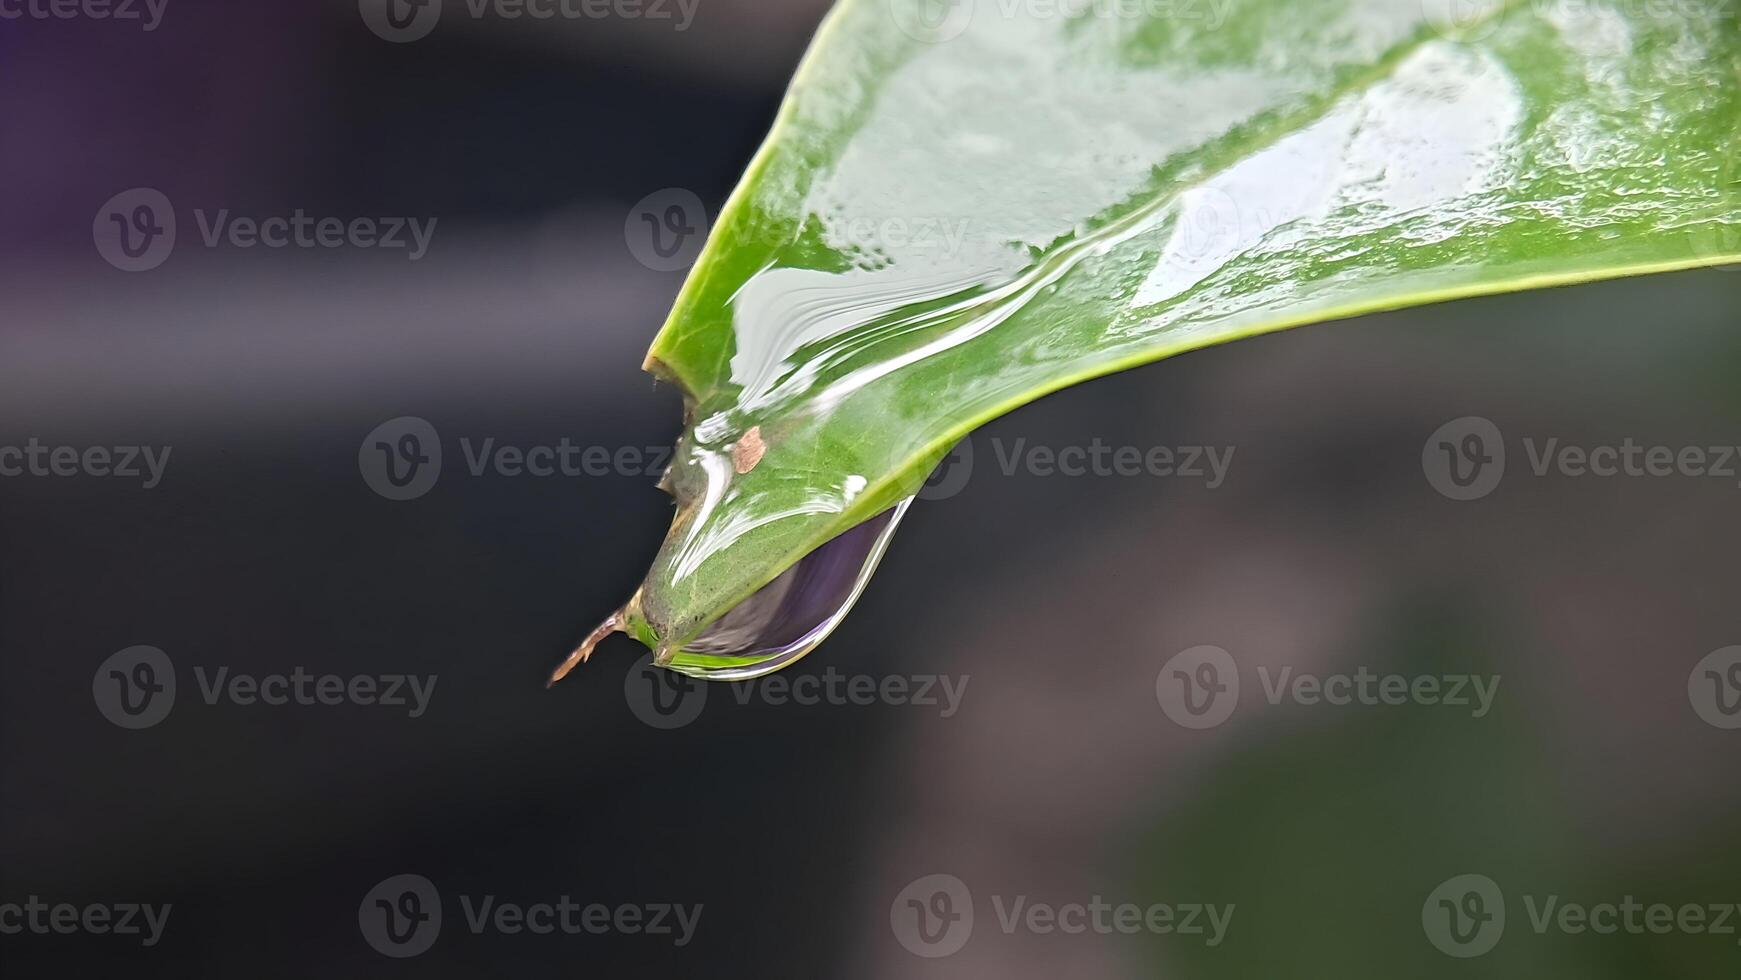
point(1056, 600)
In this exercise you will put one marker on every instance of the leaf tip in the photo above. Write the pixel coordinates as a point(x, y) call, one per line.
point(612, 624)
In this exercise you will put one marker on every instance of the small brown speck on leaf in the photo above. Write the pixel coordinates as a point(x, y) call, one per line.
point(748, 451)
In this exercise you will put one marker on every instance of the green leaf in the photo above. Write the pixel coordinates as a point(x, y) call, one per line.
point(964, 206)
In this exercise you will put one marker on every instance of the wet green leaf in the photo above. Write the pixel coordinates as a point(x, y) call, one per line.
point(964, 206)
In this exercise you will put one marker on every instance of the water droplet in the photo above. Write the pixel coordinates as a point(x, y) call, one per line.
point(790, 616)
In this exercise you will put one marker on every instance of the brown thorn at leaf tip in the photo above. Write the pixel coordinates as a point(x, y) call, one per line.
point(613, 624)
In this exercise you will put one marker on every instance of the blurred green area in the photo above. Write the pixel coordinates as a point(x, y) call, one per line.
point(1330, 837)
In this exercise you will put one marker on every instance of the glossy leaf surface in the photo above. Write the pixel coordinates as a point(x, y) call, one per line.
point(965, 206)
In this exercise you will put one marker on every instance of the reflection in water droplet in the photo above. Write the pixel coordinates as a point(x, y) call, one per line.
point(791, 615)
